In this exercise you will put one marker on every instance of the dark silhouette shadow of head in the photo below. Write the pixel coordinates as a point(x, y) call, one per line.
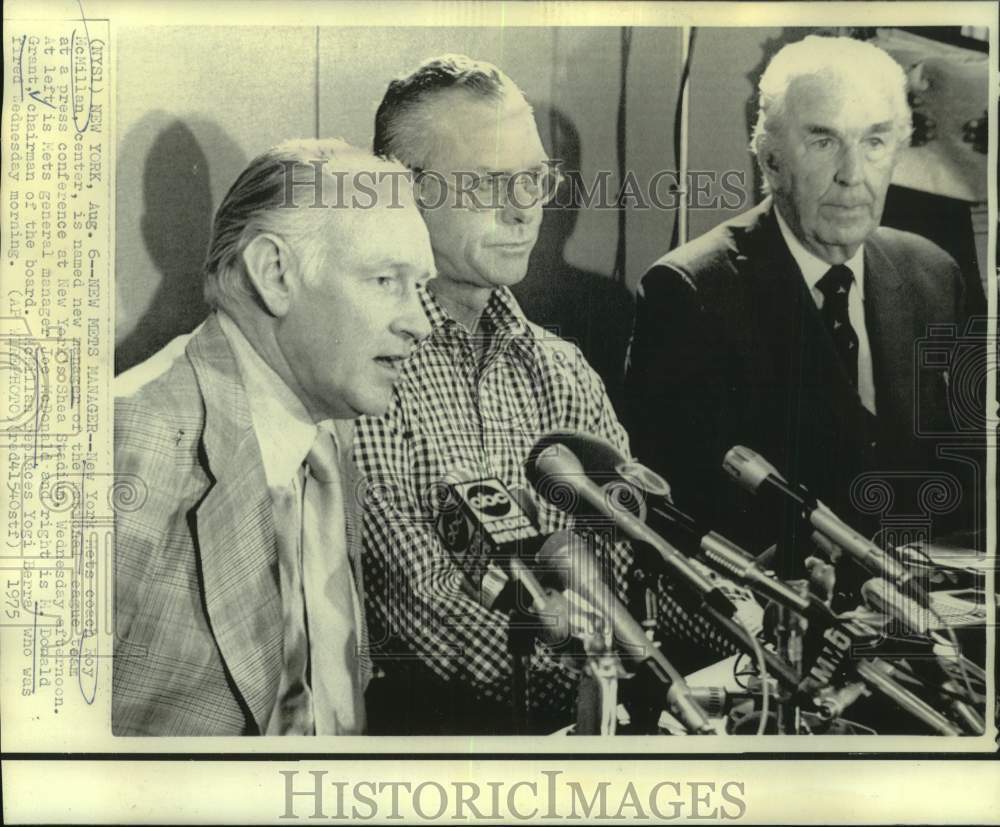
point(587, 308)
point(175, 226)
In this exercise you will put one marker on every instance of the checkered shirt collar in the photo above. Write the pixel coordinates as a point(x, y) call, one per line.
point(502, 312)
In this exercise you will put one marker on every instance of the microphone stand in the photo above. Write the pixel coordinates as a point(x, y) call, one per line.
point(597, 692)
point(521, 626)
point(538, 612)
point(787, 632)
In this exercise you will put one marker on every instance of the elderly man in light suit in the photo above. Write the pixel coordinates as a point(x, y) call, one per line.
point(238, 604)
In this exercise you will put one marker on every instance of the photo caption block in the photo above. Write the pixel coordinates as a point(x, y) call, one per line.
point(56, 341)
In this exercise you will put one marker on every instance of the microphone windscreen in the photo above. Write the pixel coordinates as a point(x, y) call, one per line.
point(595, 454)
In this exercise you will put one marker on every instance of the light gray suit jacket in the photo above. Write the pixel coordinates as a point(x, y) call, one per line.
point(198, 637)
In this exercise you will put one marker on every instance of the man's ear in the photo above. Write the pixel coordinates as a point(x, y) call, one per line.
point(770, 165)
point(268, 261)
point(771, 160)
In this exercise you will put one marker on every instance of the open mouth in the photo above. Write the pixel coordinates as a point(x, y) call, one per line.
point(392, 363)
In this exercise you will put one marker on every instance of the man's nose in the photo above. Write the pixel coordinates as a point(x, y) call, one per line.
point(412, 321)
point(519, 207)
point(850, 166)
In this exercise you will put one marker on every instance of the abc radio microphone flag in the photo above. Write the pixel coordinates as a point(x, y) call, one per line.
point(481, 525)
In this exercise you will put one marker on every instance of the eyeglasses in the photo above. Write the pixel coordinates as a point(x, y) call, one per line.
point(495, 190)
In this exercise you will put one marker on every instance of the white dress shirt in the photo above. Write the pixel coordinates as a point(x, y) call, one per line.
point(813, 269)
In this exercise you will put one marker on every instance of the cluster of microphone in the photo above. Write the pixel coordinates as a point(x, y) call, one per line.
point(493, 537)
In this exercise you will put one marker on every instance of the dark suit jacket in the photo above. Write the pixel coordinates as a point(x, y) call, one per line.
point(198, 621)
point(729, 348)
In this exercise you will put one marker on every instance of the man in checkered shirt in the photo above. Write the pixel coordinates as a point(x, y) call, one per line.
point(475, 396)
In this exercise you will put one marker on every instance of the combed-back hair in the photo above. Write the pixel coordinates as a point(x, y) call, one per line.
point(403, 122)
point(853, 62)
point(262, 200)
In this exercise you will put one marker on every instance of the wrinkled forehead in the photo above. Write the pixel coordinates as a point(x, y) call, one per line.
point(393, 234)
point(483, 133)
point(840, 101)
point(317, 183)
point(375, 220)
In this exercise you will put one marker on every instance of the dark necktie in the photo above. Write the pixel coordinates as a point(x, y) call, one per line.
point(835, 287)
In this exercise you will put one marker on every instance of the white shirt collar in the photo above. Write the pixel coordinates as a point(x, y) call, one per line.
point(814, 268)
point(285, 431)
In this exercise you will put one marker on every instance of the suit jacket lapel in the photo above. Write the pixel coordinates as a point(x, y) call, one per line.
point(776, 285)
point(889, 319)
point(235, 531)
point(784, 309)
point(804, 386)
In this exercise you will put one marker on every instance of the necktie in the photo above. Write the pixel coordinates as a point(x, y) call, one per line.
point(835, 287)
point(293, 712)
point(331, 609)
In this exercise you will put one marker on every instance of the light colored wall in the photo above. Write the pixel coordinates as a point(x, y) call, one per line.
point(723, 80)
point(195, 104)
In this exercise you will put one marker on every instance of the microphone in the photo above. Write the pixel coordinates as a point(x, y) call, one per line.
point(880, 676)
point(832, 702)
point(725, 556)
point(883, 596)
point(717, 700)
point(557, 473)
point(730, 559)
point(751, 471)
point(488, 534)
point(608, 463)
point(480, 521)
point(577, 573)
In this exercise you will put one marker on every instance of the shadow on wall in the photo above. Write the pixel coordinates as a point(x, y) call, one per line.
point(587, 308)
point(158, 280)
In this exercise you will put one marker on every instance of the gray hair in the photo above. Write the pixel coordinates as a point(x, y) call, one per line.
point(403, 124)
point(858, 62)
point(263, 200)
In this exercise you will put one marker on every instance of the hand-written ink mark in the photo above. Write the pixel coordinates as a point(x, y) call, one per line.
point(89, 700)
point(72, 380)
point(34, 646)
point(89, 74)
point(20, 69)
point(35, 94)
point(83, 504)
point(38, 405)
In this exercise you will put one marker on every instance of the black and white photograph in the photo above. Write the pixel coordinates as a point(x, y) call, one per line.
point(524, 373)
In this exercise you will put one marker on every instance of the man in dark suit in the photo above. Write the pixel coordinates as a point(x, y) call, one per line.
point(794, 328)
point(238, 601)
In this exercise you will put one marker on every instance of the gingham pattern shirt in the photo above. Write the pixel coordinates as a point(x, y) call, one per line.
point(476, 402)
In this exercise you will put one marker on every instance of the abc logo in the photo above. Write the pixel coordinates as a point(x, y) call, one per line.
point(488, 500)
